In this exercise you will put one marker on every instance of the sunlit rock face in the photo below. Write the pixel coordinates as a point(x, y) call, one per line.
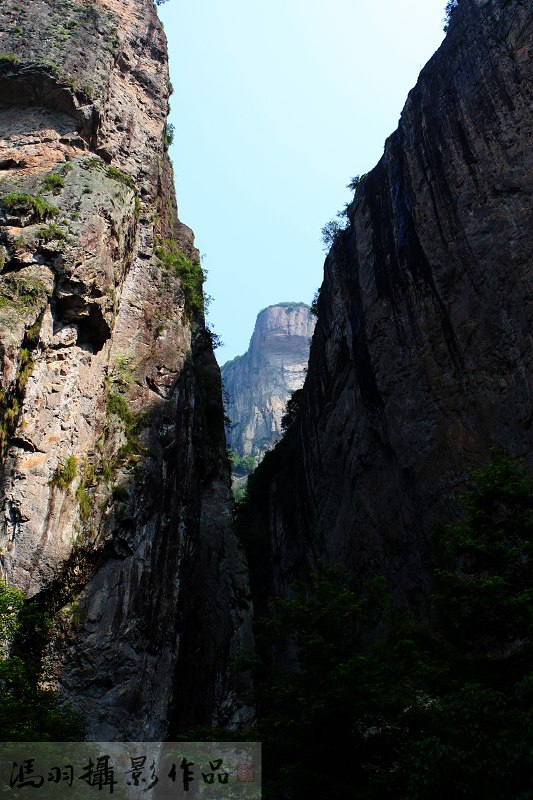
point(259, 383)
point(115, 485)
point(421, 360)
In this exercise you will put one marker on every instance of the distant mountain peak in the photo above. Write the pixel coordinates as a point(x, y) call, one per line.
point(260, 382)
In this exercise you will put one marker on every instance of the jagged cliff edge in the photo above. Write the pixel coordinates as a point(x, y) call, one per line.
point(421, 360)
point(115, 483)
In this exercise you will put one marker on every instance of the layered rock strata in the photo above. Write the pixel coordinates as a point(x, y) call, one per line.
point(422, 357)
point(115, 486)
point(260, 382)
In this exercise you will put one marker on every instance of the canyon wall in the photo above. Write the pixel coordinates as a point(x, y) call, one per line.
point(421, 360)
point(114, 480)
point(259, 383)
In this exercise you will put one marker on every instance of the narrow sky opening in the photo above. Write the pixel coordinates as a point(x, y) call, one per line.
point(275, 107)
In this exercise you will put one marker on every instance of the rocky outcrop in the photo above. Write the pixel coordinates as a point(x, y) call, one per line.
point(115, 485)
point(260, 382)
point(422, 357)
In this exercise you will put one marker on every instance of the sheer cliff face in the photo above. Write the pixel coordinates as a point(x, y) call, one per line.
point(114, 482)
point(422, 356)
point(260, 382)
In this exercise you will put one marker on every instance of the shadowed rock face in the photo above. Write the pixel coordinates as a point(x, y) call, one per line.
point(260, 382)
point(422, 356)
point(115, 486)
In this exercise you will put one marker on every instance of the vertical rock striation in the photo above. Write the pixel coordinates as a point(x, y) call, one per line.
point(260, 382)
point(115, 486)
point(422, 356)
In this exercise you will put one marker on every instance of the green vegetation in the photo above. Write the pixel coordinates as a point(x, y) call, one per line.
point(169, 135)
point(122, 376)
point(212, 338)
point(54, 183)
point(84, 502)
point(117, 405)
point(11, 601)
point(28, 712)
point(35, 204)
point(332, 229)
point(241, 465)
point(239, 493)
point(92, 162)
point(8, 59)
point(290, 306)
point(21, 293)
point(25, 368)
point(451, 7)
point(190, 274)
point(354, 183)
point(314, 303)
point(88, 478)
point(484, 580)
point(117, 175)
point(65, 474)
point(11, 400)
point(292, 409)
point(52, 68)
point(329, 233)
point(420, 712)
point(131, 424)
point(52, 233)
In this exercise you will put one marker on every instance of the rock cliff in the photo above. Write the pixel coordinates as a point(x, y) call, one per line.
point(260, 382)
point(422, 357)
point(115, 485)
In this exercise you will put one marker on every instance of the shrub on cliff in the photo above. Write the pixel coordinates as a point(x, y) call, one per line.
point(292, 409)
point(190, 274)
point(34, 204)
point(476, 734)
point(451, 7)
point(53, 183)
point(423, 712)
point(314, 303)
point(241, 465)
point(329, 233)
point(27, 711)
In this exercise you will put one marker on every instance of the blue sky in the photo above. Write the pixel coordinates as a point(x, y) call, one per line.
point(276, 106)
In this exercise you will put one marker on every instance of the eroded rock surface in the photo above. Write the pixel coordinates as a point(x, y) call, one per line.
point(115, 485)
point(260, 382)
point(422, 356)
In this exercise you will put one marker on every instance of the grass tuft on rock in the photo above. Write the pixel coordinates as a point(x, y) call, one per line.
point(34, 204)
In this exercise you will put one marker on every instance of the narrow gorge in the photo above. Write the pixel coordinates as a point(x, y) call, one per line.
point(348, 610)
